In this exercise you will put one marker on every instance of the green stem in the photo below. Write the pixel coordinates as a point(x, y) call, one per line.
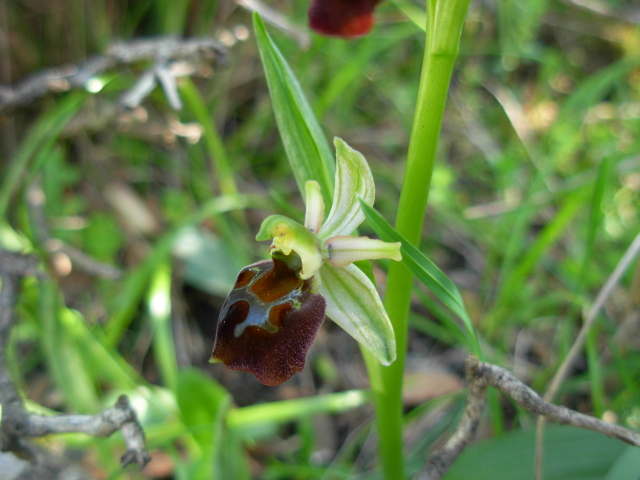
point(444, 24)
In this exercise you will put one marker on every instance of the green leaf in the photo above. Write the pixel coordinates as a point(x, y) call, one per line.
point(627, 466)
point(417, 16)
point(569, 454)
point(304, 142)
point(353, 180)
point(354, 304)
point(203, 406)
point(424, 270)
point(207, 261)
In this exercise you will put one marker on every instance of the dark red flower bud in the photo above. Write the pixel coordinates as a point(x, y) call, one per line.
point(268, 322)
point(342, 18)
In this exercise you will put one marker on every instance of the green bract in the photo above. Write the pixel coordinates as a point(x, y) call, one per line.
point(352, 300)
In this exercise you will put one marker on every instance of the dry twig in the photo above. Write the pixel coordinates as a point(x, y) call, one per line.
point(18, 424)
point(568, 362)
point(162, 52)
point(481, 375)
point(629, 14)
point(278, 20)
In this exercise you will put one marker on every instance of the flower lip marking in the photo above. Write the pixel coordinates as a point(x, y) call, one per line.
point(264, 333)
point(244, 278)
point(276, 283)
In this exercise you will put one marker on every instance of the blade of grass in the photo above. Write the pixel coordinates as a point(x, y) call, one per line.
point(514, 282)
point(171, 15)
point(63, 355)
point(41, 137)
point(103, 363)
point(289, 410)
point(595, 220)
point(203, 405)
point(417, 16)
point(449, 324)
point(212, 140)
point(596, 380)
point(354, 68)
point(159, 307)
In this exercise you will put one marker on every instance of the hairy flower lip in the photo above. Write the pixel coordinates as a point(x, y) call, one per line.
point(255, 324)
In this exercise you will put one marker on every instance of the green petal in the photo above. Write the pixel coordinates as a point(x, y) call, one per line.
point(315, 206)
point(354, 304)
point(288, 235)
point(353, 180)
point(345, 249)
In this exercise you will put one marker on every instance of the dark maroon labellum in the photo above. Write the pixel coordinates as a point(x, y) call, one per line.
point(268, 322)
point(342, 18)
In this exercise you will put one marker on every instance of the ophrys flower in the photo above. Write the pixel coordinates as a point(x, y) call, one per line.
point(272, 315)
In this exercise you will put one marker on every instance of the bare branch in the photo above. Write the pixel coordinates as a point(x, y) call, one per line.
point(602, 297)
point(503, 380)
point(568, 362)
point(440, 461)
point(161, 51)
point(481, 375)
point(17, 424)
point(119, 417)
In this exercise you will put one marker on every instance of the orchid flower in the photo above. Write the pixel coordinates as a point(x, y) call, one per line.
point(342, 18)
point(271, 317)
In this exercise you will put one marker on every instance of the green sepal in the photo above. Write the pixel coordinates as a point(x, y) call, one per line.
point(353, 180)
point(354, 304)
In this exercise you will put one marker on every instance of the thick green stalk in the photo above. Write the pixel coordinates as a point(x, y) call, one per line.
point(444, 25)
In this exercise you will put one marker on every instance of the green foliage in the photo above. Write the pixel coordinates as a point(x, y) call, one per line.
point(307, 148)
point(426, 272)
point(570, 454)
point(534, 199)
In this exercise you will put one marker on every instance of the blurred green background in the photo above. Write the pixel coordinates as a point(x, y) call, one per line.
point(534, 201)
